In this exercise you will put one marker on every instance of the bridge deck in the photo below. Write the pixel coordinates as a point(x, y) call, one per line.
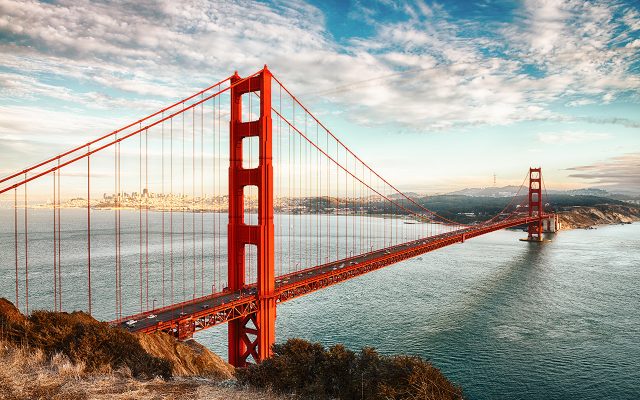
point(183, 319)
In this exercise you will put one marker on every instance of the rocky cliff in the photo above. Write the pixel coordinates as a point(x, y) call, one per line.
point(602, 214)
point(188, 358)
point(50, 355)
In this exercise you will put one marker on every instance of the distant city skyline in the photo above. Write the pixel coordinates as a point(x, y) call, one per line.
point(437, 97)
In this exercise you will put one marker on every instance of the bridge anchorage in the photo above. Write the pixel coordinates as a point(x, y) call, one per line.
point(294, 211)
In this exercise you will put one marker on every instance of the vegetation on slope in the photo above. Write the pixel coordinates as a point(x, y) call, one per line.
point(51, 355)
point(82, 339)
point(188, 358)
point(313, 372)
point(100, 347)
point(28, 374)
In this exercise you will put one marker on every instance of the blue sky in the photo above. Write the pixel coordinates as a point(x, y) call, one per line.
point(437, 96)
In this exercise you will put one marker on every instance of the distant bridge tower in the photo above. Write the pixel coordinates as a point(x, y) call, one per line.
point(253, 335)
point(536, 205)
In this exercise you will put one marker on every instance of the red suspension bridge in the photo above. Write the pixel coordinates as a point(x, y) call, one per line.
point(216, 209)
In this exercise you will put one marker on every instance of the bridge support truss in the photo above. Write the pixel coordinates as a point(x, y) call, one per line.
point(252, 335)
point(536, 205)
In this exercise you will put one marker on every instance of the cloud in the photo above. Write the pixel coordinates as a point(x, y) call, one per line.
point(580, 102)
point(426, 72)
point(626, 122)
point(24, 137)
point(571, 137)
point(471, 73)
point(620, 173)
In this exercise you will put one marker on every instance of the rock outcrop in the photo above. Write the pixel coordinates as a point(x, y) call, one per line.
point(188, 358)
point(602, 214)
point(101, 347)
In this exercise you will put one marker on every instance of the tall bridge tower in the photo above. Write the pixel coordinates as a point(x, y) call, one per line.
point(253, 335)
point(536, 205)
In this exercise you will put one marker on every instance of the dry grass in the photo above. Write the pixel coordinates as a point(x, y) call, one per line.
point(313, 372)
point(82, 339)
point(188, 358)
point(29, 374)
point(72, 356)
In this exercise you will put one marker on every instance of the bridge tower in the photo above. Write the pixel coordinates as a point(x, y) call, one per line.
point(536, 205)
point(253, 335)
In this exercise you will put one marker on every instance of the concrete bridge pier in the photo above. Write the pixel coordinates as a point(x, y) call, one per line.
point(550, 224)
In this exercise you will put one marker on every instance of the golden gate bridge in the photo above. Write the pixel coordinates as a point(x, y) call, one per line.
point(241, 199)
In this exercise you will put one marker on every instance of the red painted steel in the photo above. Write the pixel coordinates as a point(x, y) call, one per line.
point(536, 205)
point(114, 133)
point(115, 141)
point(254, 334)
point(250, 306)
point(240, 305)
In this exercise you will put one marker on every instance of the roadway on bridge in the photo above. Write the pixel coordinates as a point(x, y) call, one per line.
point(184, 310)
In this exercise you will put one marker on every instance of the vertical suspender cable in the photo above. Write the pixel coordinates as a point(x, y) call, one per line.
point(15, 236)
point(328, 218)
point(338, 205)
point(115, 216)
point(171, 200)
point(59, 242)
point(280, 162)
point(164, 206)
point(146, 211)
point(119, 235)
point(55, 249)
point(300, 234)
point(140, 212)
point(193, 196)
point(182, 203)
point(346, 206)
point(26, 249)
point(289, 219)
point(89, 226)
point(202, 198)
point(219, 169)
point(213, 193)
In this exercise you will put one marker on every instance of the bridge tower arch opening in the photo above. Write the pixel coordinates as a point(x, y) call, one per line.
point(252, 336)
point(536, 205)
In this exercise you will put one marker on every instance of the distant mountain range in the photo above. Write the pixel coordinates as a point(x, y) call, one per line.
point(510, 191)
point(412, 195)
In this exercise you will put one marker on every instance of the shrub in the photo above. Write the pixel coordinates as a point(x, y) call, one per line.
point(82, 339)
point(313, 372)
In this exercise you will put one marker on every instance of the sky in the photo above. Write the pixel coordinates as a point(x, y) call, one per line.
point(436, 96)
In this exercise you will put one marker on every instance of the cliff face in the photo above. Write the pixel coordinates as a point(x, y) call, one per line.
point(27, 373)
point(188, 358)
point(82, 339)
point(602, 214)
point(49, 355)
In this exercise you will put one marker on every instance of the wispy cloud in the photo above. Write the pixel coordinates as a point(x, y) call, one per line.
point(426, 71)
point(571, 137)
point(618, 173)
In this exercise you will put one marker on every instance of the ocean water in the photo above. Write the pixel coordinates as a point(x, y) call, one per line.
point(503, 319)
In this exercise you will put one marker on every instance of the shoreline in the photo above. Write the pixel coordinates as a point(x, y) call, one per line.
point(599, 215)
point(578, 217)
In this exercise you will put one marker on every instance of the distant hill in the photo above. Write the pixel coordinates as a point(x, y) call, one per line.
point(411, 195)
point(583, 192)
point(505, 191)
point(510, 191)
point(467, 209)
